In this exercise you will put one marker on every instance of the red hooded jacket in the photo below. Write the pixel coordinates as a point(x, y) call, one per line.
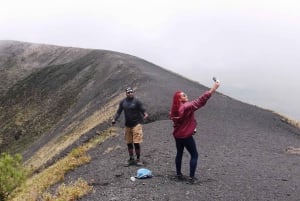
point(185, 123)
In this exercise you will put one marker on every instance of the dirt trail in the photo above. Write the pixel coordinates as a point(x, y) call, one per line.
point(235, 163)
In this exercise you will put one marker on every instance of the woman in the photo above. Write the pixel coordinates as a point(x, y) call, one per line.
point(182, 114)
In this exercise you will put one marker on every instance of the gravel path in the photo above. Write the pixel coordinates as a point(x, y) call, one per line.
point(244, 159)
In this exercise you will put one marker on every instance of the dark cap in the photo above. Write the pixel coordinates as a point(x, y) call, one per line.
point(129, 89)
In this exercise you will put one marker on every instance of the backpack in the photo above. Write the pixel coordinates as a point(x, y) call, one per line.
point(143, 173)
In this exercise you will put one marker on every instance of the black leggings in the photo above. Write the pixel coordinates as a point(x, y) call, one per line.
point(190, 145)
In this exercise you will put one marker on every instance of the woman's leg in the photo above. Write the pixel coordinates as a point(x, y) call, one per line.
point(178, 159)
point(192, 149)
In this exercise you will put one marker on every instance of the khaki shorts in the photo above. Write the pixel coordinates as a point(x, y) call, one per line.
point(134, 134)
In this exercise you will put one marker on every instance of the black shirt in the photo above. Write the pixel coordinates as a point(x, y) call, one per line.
point(133, 111)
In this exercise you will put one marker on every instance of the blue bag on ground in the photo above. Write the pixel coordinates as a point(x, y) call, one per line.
point(144, 173)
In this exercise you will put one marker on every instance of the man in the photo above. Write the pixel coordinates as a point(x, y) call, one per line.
point(134, 113)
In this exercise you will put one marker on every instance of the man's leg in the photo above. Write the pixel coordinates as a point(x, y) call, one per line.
point(137, 140)
point(130, 151)
point(137, 148)
point(129, 141)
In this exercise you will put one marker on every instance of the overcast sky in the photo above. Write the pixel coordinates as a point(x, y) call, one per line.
point(252, 46)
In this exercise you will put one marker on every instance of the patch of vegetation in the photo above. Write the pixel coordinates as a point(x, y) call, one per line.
point(35, 104)
point(292, 150)
point(70, 192)
point(37, 185)
point(71, 133)
point(290, 121)
point(12, 174)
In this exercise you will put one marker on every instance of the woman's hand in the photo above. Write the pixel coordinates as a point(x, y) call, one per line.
point(215, 86)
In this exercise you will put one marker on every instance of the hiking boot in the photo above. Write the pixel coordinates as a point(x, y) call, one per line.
point(130, 162)
point(139, 162)
point(180, 177)
point(191, 180)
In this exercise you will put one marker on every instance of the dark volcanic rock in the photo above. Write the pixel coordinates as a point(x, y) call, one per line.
point(242, 148)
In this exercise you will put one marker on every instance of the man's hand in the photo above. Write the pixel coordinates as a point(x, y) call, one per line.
point(145, 115)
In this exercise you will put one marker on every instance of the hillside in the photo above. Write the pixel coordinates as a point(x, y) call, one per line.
point(45, 87)
point(54, 99)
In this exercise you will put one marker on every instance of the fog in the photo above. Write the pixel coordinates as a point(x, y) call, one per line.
point(251, 46)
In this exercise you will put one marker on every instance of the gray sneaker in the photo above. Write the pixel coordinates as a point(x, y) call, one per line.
point(139, 162)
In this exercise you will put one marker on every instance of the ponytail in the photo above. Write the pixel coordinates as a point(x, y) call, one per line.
point(175, 105)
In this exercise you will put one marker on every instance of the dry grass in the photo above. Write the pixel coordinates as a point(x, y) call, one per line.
point(72, 133)
point(293, 150)
point(110, 149)
point(72, 191)
point(292, 122)
point(35, 187)
point(289, 120)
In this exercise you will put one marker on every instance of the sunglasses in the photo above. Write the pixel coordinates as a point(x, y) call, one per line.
point(130, 92)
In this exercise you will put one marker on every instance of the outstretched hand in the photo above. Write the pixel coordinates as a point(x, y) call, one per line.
point(215, 86)
point(145, 115)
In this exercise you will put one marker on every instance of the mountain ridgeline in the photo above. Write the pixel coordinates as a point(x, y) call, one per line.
point(46, 90)
point(56, 105)
point(49, 92)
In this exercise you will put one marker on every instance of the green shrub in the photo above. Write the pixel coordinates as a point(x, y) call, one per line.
point(12, 174)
